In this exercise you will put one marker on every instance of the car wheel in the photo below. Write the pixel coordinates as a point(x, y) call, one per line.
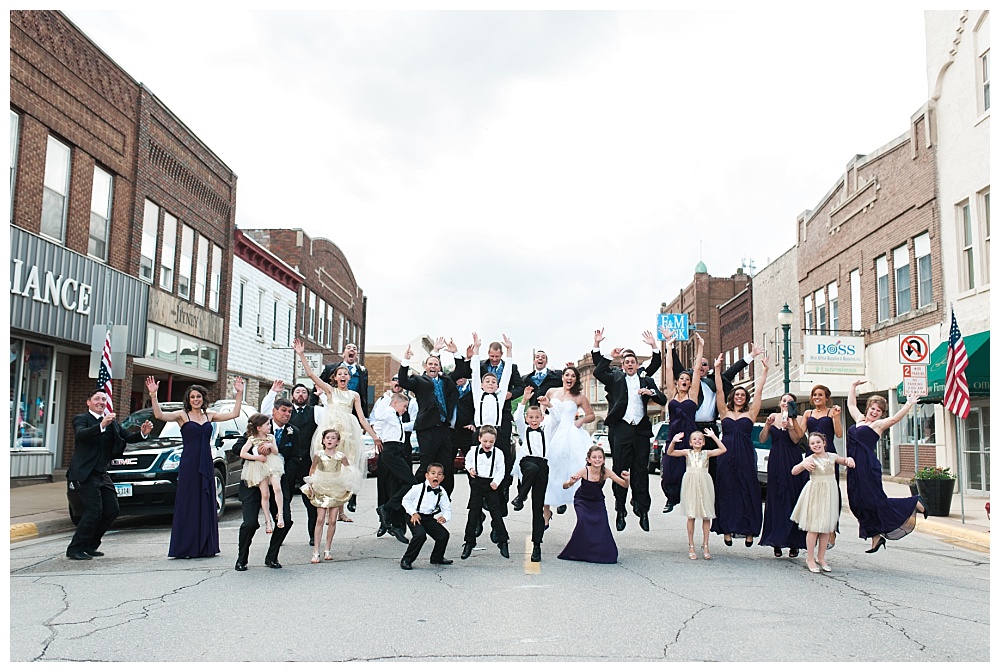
point(220, 493)
point(73, 517)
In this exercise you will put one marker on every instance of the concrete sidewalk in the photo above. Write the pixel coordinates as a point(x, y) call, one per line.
point(41, 509)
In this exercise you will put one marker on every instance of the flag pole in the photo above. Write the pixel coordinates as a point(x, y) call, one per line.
point(958, 442)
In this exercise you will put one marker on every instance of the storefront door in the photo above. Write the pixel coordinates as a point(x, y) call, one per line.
point(975, 435)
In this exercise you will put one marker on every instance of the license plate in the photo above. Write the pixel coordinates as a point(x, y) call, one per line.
point(123, 489)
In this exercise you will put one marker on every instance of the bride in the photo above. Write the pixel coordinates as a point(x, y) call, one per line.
point(570, 441)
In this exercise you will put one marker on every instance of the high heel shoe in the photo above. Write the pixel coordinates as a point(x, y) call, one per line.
point(923, 506)
point(267, 525)
point(880, 544)
point(281, 522)
point(705, 553)
point(727, 540)
point(793, 552)
point(691, 553)
point(749, 542)
point(315, 559)
point(327, 555)
point(777, 551)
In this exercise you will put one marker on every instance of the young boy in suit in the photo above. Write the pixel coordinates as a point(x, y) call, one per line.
point(485, 465)
point(533, 465)
point(429, 508)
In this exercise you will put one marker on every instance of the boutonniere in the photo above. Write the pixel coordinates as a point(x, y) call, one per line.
point(291, 430)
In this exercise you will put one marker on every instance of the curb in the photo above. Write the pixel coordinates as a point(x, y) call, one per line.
point(948, 531)
point(25, 531)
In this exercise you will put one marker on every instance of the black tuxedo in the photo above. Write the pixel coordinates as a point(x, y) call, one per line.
point(461, 438)
point(631, 442)
point(506, 428)
point(88, 471)
point(361, 373)
point(551, 380)
point(291, 445)
point(433, 434)
point(305, 422)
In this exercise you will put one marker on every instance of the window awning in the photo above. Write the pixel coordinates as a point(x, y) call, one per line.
point(977, 347)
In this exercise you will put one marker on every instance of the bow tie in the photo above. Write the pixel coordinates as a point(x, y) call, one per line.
point(299, 409)
point(436, 491)
point(539, 430)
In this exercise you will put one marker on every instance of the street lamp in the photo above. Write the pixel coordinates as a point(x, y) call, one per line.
point(785, 320)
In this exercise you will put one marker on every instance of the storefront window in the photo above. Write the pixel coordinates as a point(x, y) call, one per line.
point(209, 358)
point(15, 376)
point(925, 423)
point(150, 341)
point(33, 402)
point(166, 347)
point(189, 353)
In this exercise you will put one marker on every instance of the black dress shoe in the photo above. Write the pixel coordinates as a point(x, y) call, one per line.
point(536, 553)
point(405, 564)
point(479, 528)
point(644, 521)
point(668, 508)
point(561, 508)
point(517, 503)
point(95, 554)
point(311, 541)
point(273, 564)
point(504, 550)
point(493, 536)
point(466, 551)
point(77, 555)
point(382, 529)
point(442, 561)
point(398, 533)
point(383, 516)
point(240, 566)
point(620, 522)
point(352, 504)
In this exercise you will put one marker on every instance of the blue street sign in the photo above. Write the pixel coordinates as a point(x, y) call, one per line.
point(675, 322)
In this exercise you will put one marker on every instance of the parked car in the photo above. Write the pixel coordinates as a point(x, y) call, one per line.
point(145, 477)
point(657, 445)
point(763, 450)
point(601, 439)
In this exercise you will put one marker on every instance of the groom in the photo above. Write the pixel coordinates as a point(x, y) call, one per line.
point(629, 393)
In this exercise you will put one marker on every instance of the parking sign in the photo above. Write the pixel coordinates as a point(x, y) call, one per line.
point(675, 322)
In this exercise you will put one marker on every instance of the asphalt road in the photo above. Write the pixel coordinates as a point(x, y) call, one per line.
point(918, 599)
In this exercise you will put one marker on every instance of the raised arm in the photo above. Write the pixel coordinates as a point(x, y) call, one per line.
point(655, 360)
point(852, 401)
point(300, 350)
point(696, 370)
point(838, 427)
point(720, 396)
point(234, 412)
point(673, 452)
point(765, 431)
point(758, 388)
point(720, 447)
point(670, 381)
point(885, 423)
point(177, 416)
point(508, 369)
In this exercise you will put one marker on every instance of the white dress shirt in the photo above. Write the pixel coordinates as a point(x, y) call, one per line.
point(487, 465)
point(489, 405)
point(633, 411)
point(414, 503)
point(388, 425)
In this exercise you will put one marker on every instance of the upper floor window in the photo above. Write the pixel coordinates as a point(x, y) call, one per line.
point(312, 315)
point(882, 288)
point(321, 336)
point(15, 130)
point(922, 251)
point(968, 245)
point(187, 258)
point(274, 321)
point(821, 311)
point(901, 265)
point(260, 313)
point(169, 252)
point(807, 311)
point(984, 227)
point(55, 197)
point(100, 214)
point(984, 74)
point(216, 284)
point(831, 290)
point(147, 244)
point(241, 304)
point(856, 300)
point(291, 319)
point(201, 271)
point(340, 335)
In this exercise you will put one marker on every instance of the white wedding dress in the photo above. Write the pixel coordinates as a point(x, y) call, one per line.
point(567, 454)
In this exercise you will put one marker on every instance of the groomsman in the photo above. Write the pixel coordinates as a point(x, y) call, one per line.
point(436, 397)
point(99, 437)
point(295, 451)
point(303, 419)
point(542, 379)
point(495, 364)
point(628, 394)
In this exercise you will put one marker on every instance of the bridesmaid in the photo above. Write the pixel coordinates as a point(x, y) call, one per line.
point(737, 491)
point(879, 517)
point(783, 488)
point(681, 408)
point(591, 540)
point(824, 419)
point(194, 531)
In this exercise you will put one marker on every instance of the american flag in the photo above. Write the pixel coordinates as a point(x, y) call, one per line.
point(104, 374)
point(956, 387)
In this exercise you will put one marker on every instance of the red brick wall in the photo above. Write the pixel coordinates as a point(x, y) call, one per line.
point(700, 300)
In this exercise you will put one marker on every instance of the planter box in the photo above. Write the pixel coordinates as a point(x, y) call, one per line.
point(936, 494)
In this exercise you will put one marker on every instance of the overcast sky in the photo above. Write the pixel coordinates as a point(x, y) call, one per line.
point(534, 174)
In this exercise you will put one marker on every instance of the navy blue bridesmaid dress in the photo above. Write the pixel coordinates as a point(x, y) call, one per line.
point(737, 491)
point(877, 514)
point(195, 529)
point(783, 491)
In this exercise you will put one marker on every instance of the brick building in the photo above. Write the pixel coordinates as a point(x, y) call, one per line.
point(90, 149)
point(701, 300)
point(331, 306)
point(736, 333)
point(868, 260)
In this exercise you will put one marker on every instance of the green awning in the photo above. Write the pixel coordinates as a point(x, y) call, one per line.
point(977, 347)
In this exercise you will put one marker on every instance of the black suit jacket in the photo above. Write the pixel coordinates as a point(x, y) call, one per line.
point(552, 380)
point(614, 381)
point(305, 422)
point(654, 365)
point(94, 449)
point(327, 374)
point(423, 389)
point(294, 448)
point(709, 380)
